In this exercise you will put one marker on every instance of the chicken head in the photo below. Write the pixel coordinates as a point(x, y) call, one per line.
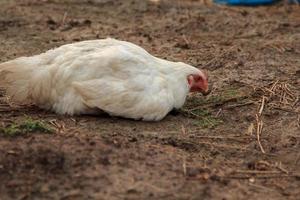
point(198, 83)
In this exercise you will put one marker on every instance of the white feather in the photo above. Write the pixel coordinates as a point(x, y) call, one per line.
point(115, 76)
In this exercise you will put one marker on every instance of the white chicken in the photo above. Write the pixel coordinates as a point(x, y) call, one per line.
point(114, 76)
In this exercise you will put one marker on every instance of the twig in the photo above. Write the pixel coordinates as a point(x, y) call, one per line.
point(256, 172)
point(216, 137)
point(60, 127)
point(184, 167)
point(285, 109)
point(265, 176)
point(269, 90)
point(64, 18)
point(288, 91)
point(218, 113)
point(185, 40)
point(274, 84)
point(262, 106)
point(183, 130)
point(258, 132)
point(250, 129)
point(239, 105)
point(222, 146)
point(238, 139)
point(261, 187)
point(282, 169)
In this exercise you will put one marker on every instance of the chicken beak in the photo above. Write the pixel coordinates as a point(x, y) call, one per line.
point(206, 92)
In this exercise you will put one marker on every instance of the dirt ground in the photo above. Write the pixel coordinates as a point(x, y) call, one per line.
point(210, 149)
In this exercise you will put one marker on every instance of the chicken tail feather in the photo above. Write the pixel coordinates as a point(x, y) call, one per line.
point(22, 80)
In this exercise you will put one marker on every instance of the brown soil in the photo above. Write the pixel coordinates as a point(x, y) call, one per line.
point(207, 150)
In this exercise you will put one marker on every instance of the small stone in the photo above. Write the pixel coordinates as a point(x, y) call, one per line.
point(252, 180)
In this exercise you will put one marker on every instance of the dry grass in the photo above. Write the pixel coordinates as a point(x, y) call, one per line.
point(277, 95)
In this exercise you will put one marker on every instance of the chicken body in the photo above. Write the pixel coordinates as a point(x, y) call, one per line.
point(115, 76)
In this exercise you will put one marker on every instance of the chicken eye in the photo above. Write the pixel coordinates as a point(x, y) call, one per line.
point(197, 78)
